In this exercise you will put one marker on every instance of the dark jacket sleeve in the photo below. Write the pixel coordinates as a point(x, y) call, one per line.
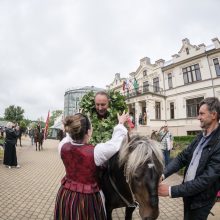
point(204, 179)
point(182, 160)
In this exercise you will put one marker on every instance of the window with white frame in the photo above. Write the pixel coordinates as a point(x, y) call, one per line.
point(170, 82)
point(217, 66)
point(157, 110)
point(191, 74)
point(172, 110)
point(145, 73)
point(192, 107)
point(156, 84)
point(146, 86)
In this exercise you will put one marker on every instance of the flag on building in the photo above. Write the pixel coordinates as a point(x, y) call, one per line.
point(135, 84)
point(46, 125)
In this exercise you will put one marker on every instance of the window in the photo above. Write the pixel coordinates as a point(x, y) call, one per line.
point(192, 107)
point(145, 73)
point(217, 66)
point(156, 84)
point(170, 83)
point(172, 110)
point(157, 110)
point(191, 74)
point(187, 50)
point(145, 86)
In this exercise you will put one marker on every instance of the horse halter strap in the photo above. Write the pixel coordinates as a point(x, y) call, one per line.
point(120, 195)
point(128, 182)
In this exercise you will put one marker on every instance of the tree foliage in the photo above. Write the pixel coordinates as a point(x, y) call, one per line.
point(14, 114)
point(102, 129)
point(53, 116)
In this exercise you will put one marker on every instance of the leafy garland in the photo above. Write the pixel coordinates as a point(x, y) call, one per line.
point(103, 128)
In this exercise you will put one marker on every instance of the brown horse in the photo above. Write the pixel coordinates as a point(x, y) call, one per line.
point(38, 139)
point(133, 177)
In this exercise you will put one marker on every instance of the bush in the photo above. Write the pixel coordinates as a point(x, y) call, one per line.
point(180, 143)
point(187, 138)
point(2, 140)
point(174, 153)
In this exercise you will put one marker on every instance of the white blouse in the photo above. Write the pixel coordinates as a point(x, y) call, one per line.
point(103, 151)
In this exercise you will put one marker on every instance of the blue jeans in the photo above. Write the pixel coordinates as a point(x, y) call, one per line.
point(32, 140)
point(166, 156)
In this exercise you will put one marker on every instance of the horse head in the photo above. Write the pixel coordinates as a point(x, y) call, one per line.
point(143, 166)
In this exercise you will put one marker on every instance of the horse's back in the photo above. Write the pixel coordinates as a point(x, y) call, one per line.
point(38, 136)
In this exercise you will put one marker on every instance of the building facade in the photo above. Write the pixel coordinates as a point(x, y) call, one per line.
point(170, 92)
point(72, 98)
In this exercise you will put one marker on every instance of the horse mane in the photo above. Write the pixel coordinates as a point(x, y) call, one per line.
point(139, 151)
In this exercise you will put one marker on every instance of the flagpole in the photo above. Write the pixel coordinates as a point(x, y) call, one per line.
point(46, 125)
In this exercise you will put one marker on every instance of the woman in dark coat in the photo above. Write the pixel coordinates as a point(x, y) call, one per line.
point(10, 157)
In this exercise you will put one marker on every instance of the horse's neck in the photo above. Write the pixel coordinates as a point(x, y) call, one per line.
point(116, 173)
point(114, 168)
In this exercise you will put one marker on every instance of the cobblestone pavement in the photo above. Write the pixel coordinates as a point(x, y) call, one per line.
point(29, 193)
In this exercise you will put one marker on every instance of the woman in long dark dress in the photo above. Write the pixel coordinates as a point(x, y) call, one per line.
point(10, 157)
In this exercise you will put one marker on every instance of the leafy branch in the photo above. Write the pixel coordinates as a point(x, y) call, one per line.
point(103, 128)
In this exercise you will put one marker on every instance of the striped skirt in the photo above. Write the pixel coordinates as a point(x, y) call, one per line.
point(72, 205)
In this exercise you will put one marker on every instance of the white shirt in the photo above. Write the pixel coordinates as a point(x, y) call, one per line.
point(103, 151)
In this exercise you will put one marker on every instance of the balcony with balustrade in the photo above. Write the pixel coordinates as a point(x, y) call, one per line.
point(144, 90)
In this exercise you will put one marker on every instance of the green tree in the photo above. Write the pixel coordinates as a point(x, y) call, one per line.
point(53, 116)
point(23, 125)
point(26, 121)
point(14, 113)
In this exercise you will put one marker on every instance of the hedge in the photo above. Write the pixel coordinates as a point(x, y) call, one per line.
point(188, 138)
point(180, 143)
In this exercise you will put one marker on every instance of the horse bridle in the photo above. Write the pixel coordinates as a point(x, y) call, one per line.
point(128, 204)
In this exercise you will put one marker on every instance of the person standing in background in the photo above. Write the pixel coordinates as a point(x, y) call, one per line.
point(31, 135)
point(166, 139)
point(11, 135)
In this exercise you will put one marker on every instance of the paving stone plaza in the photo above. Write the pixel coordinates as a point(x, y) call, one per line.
point(29, 193)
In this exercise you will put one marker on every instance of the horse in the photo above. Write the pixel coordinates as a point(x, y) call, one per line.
point(132, 179)
point(20, 132)
point(38, 139)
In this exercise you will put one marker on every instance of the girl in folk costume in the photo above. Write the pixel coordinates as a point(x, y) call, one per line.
point(79, 196)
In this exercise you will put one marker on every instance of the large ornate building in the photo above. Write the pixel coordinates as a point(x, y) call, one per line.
point(169, 92)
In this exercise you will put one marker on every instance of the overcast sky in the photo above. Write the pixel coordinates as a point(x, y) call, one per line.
point(48, 46)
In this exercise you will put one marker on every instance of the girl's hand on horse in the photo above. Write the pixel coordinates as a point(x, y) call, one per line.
point(123, 117)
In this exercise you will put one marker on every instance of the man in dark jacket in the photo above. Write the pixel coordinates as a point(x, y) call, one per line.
point(201, 160)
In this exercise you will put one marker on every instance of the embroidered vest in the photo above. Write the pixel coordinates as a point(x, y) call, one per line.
point(81, 171)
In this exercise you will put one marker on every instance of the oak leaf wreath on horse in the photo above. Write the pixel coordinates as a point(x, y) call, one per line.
point(131, 176)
